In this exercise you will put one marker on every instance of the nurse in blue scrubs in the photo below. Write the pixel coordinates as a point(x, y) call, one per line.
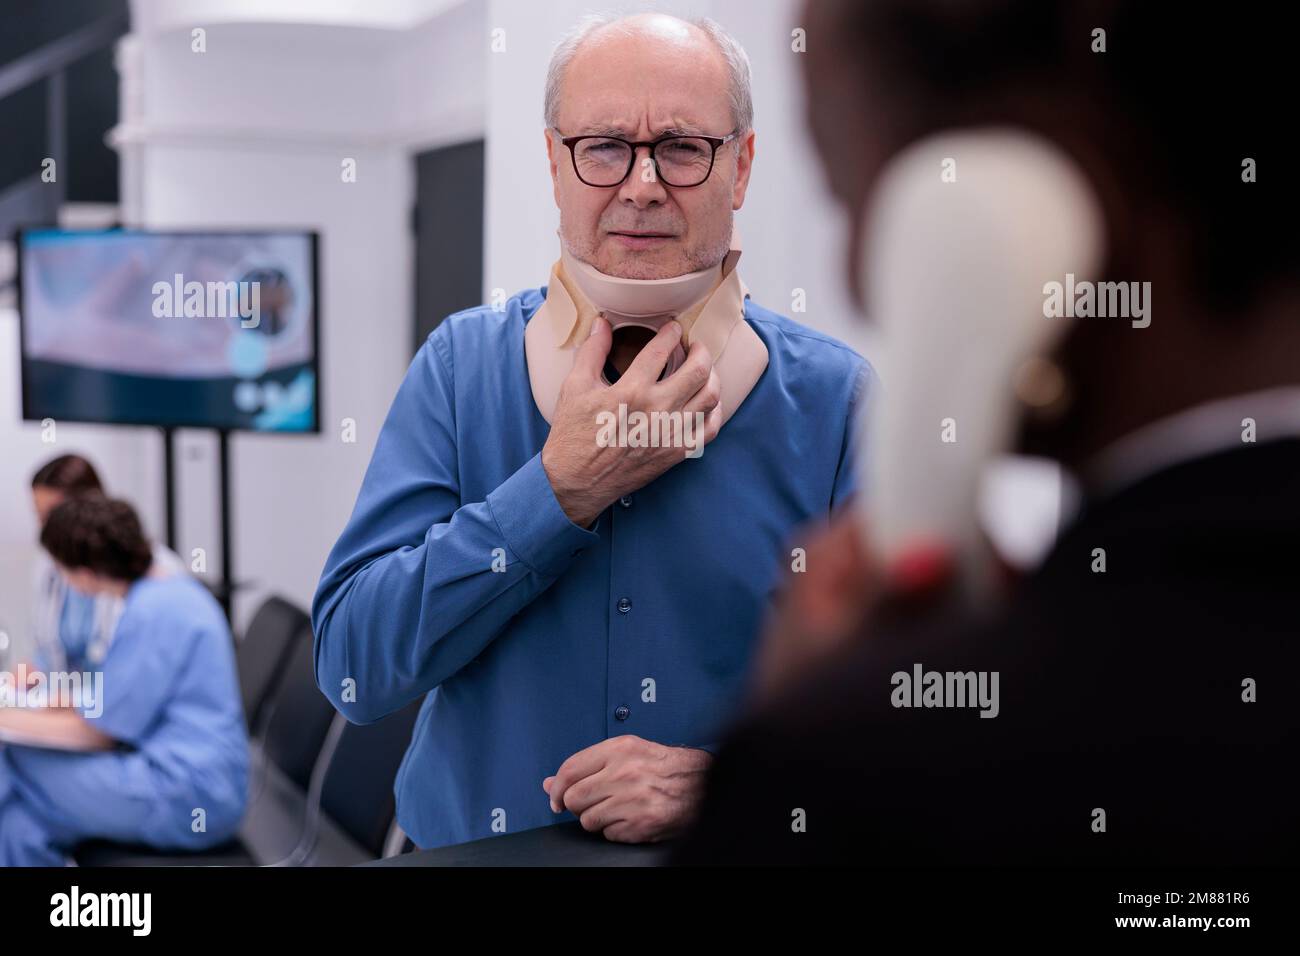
point(155, 750)
point(68, 625)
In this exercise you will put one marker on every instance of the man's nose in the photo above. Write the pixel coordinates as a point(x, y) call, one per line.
point(642, 186)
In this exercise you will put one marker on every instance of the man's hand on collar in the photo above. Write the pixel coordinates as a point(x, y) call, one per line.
point(588, 463)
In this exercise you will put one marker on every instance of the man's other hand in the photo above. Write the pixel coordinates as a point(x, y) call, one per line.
point(631, 790)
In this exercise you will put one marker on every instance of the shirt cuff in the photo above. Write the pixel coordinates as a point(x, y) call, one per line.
point(534, 526)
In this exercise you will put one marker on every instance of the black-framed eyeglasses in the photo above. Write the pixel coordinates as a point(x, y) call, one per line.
point(679, 161)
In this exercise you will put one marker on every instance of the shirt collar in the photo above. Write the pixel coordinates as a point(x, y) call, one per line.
point(1195, 433)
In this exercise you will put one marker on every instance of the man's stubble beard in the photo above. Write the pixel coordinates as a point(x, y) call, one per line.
point(705, 255)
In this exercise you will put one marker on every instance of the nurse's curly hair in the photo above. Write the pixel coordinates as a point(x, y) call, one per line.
point(98, 534)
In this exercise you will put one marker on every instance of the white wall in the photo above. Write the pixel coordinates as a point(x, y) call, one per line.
point(156, 16)
point(253, 132)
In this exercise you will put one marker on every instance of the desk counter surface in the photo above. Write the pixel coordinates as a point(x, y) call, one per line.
point(566, 844)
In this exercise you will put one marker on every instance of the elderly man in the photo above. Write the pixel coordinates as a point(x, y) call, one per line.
point(579, 504)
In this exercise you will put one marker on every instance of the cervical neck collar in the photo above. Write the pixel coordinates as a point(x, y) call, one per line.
point(708, 304)
point(639, 298)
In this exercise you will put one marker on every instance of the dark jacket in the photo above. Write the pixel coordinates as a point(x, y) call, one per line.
point(1120, 691)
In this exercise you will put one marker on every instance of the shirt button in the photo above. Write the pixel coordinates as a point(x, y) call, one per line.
point(622, 713)
point(624, 605)
point(626, 501)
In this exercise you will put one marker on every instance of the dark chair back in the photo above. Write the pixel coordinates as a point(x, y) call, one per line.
point(357, 792)
point(299, 715)
point(262, 654)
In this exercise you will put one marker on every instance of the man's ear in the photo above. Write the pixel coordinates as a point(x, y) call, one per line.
point(551, 156)
point(744, 163)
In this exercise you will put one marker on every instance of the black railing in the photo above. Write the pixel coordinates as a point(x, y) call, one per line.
point(31, 199)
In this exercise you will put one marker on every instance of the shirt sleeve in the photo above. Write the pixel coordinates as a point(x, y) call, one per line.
point(418, 583)
point(847, 474)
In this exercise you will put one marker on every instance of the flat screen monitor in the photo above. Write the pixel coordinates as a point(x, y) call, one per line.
point(180, 329)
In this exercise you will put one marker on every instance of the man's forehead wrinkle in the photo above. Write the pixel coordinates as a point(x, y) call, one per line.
point(627, 130)
point(628, 113)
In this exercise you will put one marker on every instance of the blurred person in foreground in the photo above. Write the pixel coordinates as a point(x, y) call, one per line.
point(147, 746)
point(1148, 668)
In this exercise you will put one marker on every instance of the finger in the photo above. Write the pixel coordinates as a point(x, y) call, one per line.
point(595, 819)
point(624, 832)
point(581, 765)
point(713, 423)
point(591, 356)
point(588, 792)
point(691, 377)
point(707, 396)
point(650, 361)
point(703, 429)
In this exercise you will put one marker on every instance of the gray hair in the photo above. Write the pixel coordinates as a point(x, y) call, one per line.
point(738, 72)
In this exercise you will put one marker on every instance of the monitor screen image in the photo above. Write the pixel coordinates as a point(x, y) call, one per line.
point(181, 329)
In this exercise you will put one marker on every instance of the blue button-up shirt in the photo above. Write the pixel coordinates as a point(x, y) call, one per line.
point(461, 580)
